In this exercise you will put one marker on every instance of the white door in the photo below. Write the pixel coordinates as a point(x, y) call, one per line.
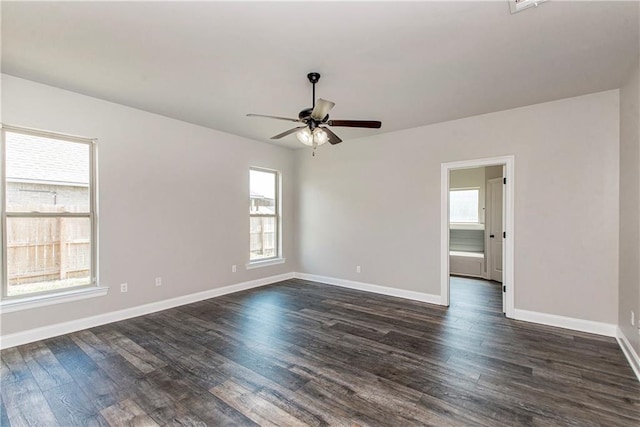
point(495, 229)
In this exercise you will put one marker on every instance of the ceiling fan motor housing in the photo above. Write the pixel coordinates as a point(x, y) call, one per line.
point(305, 116)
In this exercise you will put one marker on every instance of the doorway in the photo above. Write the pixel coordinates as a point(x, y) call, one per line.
point(478, 242)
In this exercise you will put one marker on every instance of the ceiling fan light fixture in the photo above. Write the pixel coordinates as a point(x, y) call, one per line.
point(320, 136)
point(305, 136)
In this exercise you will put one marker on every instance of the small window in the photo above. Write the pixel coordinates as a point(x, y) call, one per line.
point(48, 214)
point(463, 205)
point(519, 5)
point(264, 214)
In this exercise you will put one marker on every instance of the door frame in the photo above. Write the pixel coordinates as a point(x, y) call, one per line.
point(508, 247)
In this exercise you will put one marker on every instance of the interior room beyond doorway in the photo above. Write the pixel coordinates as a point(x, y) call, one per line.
point(476, 222)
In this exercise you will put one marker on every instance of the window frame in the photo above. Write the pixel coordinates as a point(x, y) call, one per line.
point(451, 190)
point(516, 6)
point(57, 295)
point(277, 258)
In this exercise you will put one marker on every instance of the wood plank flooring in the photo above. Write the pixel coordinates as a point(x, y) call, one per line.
point(303, 353)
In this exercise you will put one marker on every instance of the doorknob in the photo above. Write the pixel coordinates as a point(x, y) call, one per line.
point(492, 236)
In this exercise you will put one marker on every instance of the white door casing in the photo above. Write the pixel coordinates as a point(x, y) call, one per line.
point(508, 218)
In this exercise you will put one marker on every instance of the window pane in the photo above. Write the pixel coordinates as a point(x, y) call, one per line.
point(463, 205)
point(45, 254)
point(262, 190)
point(46, 175)
point(262, 238)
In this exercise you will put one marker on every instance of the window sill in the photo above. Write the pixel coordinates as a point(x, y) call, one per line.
point(466, 226)
point(26, 303)
point(265, 263)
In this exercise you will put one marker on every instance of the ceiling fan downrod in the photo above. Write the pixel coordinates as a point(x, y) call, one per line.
point(313, 78)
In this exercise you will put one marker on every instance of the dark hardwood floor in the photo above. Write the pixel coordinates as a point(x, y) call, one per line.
point(304, 353)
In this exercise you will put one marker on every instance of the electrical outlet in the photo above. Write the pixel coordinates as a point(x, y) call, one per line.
point(633, 318)
point(233, 268)
point(358, 269)
point(124, 287)
point(158, 281)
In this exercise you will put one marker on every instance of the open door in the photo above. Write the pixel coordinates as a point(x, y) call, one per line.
point(495, 229)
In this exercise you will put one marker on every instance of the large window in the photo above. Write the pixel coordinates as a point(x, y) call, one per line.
point(264, 214)
point(463, 205)
point(48, 214)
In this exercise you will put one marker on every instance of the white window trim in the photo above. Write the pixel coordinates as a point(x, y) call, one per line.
point(466, 226)
point(24, 302)
point(278, 258)
point(41, 300)
point(264, 263)
point(519, 5)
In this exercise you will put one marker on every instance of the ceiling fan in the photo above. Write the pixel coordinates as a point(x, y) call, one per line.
point(314, 131)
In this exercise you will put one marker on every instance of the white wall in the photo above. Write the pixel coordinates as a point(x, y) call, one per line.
point(630, 207)
point(173, 200)
point(375, 202)
point(492, 172)
point(372, 202)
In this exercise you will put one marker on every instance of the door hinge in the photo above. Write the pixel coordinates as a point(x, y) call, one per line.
point(504, 288)
point(504, 180)
point(504, 234)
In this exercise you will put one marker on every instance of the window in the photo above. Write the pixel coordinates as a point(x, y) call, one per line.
point(463, 205)
point(48, 213)
point(264, 215)
point(518, 5)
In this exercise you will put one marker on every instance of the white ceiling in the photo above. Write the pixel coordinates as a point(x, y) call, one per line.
point(406, 64)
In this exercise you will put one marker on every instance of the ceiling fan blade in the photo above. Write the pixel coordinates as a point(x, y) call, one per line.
point(288, 132)
point(273, 117)
point(356, 123)
point(321, 109)
point(333, 138)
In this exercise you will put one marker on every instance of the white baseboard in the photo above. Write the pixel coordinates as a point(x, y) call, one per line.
point(629, 352)
point(599, 328)
point(54, 330)
point(384, 290)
